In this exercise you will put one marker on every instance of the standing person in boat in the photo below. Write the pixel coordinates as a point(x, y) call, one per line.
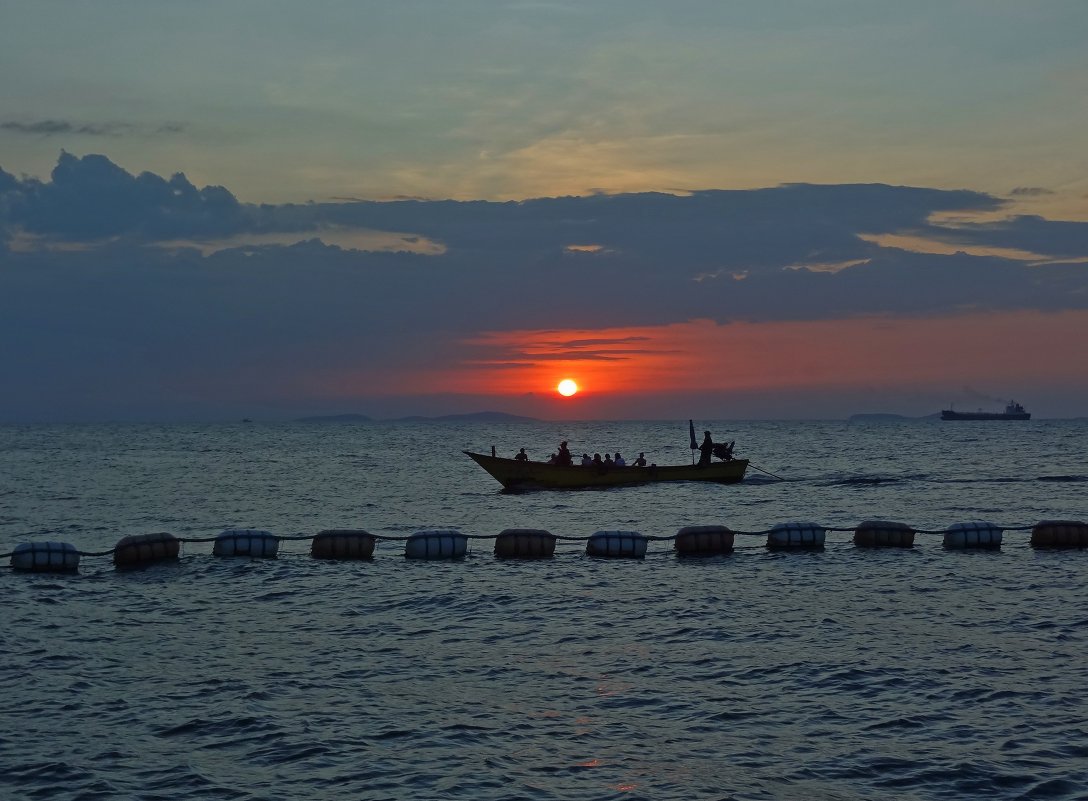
point(522, 456)
point(706, 450)
point(619, 461)
point(641, 460)
point(564, 457)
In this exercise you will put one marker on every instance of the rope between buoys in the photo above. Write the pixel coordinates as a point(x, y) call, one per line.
point(390, 538)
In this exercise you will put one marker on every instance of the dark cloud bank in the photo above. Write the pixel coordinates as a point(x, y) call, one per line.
point(97, 314)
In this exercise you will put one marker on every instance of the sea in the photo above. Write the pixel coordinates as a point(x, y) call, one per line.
point(844, 673)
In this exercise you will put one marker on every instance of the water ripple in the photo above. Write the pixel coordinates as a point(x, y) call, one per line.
point(845, 674)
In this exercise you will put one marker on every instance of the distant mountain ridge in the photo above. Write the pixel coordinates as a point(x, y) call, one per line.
point(878, 417)
point(335, 418)
point(485, 417)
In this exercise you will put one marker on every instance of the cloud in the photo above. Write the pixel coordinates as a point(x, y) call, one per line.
point(92, 198)
point(747, 230)
point(8, 183)
point(51, 127)
point(90, 298)
point(54, 127)
point(593, 343)
point(1055, 239)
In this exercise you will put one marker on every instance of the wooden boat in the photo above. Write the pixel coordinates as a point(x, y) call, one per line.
point(515, 475)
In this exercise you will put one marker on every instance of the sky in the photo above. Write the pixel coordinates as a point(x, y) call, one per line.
point(797, 209)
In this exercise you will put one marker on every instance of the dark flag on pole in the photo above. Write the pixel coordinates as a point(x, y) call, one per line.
point(691, 430)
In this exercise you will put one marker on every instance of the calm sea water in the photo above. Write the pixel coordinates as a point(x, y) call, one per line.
point(841, 674)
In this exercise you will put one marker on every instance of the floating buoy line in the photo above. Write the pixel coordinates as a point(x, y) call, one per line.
point(533, 543)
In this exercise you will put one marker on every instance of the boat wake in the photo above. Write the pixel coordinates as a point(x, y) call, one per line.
point(872, 481)
point(760, 480)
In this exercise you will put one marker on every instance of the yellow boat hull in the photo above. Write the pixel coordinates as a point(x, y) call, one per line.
point(513, 474)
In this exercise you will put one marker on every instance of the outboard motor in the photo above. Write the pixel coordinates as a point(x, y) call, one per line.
point(724, 451)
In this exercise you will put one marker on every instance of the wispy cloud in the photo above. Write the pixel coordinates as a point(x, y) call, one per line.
point(593, 343)
point(55, 127)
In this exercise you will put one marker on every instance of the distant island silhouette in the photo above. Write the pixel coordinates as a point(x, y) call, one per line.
point(485, 417)
point(876, 418)
point(335, 418)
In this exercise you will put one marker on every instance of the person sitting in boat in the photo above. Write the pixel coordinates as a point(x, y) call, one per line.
point(553, 459)
point(619, 461)
point(586, 461)
point(706, 450)
point(641, 460)
point(597, 460)
point(608, 460)
point(564, 457)
point(522, 456)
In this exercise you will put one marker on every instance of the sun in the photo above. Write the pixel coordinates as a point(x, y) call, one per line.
point(567, 387)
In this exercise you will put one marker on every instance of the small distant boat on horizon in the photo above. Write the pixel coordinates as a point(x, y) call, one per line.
point(1013, 411)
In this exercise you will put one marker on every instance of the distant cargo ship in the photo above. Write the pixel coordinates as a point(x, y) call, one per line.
point(1014, 411)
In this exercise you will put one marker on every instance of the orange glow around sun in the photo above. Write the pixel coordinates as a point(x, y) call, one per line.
point(567, 387)
point(701, 355)
point(617, 365)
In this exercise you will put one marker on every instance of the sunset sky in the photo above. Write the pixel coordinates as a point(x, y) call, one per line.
point(702, 208)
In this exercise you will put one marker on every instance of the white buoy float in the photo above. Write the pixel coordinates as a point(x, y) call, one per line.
point(622, 544)
point(145, 549)
point(975, 534)
point(883, 534)
point(45, 557)
point(246, 542)
point(796, 535)
point(524, 543)
point(342, 543)
point(704, 540)
point(436, 543)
